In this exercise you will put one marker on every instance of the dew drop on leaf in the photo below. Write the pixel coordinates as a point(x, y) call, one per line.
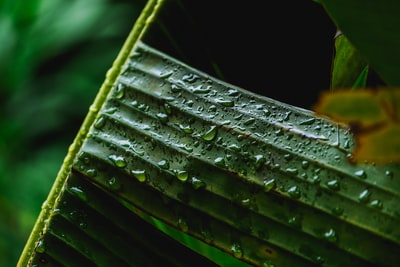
point(237, 250)
point(182, 175)
point(210, 134)
point(140, 175)
point(364, 195)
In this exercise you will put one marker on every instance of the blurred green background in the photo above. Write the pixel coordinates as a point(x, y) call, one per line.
point(53, 58)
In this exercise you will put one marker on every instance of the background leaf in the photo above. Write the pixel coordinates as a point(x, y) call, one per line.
point(372, 27)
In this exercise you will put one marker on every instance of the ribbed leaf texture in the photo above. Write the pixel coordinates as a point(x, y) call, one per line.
point(263, 181)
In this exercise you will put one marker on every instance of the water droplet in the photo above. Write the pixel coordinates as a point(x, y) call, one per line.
point(330, 235)
point(114, 183)
point(233, 92)
point(182, 175)
point(167, 108)
point(268, 263)
point(361, 174)
point(186, 129)
point(389, 173)
point(225, 102)
point(305, 164)
point(163, 164)
point(100, 123)
point(162, 117)
point(315, 179)
point(140, 175)
point(287, 115)
point(220, 162)
point(76, 191)
point(364, 196)
point(200, 90)
point(182, 224)
point(234, 147)
point(376, 203)
point(118, 161)
point(333, 184)
point(210, 134)
point(307, 121)
point(166, 74)
point(175, 88)
point(91, 172)
point(190, 78)
point(79, 218)
point(260, 160)
point(294, 192)
point(295, 221)
point(119, 91)
point(40, 246)
point(237, 250)
point(292, 171)
point(249, 121)
point(197, 183)
point(269, 184)
point(337, 211)
point(245, 202)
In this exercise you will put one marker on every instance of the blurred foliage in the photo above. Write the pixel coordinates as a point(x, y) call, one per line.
point(53, 58)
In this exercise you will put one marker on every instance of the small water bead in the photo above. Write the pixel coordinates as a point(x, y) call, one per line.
point(200, 90)
point(234, 147)
point(292, 171)
point(162, 117)
point(100, 123)
point(220, 162)
point(307, 121)
point(376, 203)
point(337, 211)
point(175, 88)
point(245, 202)
point(294, 192)
point(168, 109)
point(295, 221)
point(119, 91)
point(140, 175)
point(166, 74)
point(333, 184)
point(389, 173)
point(364, 196)
point(190, 78)
point(225, 102)
point(361, 174)
point(237, 250)
point(249, 122)
point(305, 164)
point(163, 164)
point(114, 183)
point(197, 183)
point(78, 192)
point(40, 246)
point(186, 129)
point(268, 263)
point(91, 172)
point(269, 184)
point(182, 224)
point(182, 175)
point(330, 235)
point(210, 134)
point(259, 161)
point(119, 161)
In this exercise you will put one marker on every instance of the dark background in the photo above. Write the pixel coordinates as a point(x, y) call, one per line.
point(54, 56)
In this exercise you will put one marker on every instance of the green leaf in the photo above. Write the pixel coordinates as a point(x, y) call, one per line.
point(350, 69)
point(165, 144)
point(371, 26)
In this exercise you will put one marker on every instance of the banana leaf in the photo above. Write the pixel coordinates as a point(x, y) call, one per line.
point(176, 166)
